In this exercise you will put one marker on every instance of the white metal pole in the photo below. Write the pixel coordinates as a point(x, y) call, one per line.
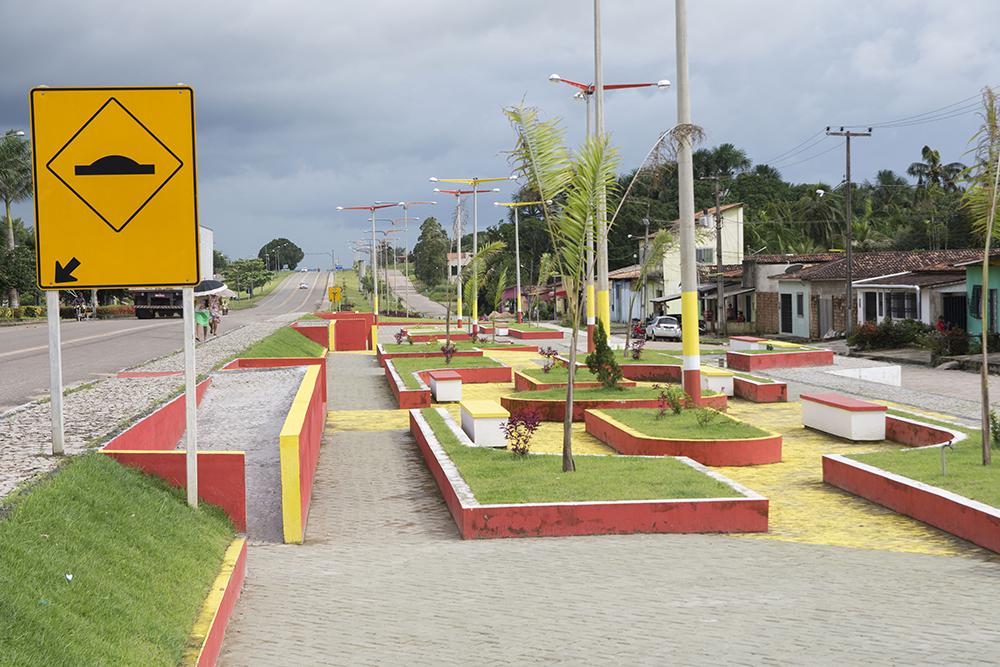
point(591, 293)
point(603, 294)
point(475, 250)
point(55, 370)
point(458, 247)
point(190, 398)
point(374, 271)
point(406, 253)
point(517, 263)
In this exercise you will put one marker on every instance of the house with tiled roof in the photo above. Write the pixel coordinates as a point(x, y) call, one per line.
point(974, 292)
point(761, 306)
point(897, 284)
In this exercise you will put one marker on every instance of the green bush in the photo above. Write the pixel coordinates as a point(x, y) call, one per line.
point(887, 335)
point(601, 361)
point(952, 342)
point(121, 310)
point(6, 313)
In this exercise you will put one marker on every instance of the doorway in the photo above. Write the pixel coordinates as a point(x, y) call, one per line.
point(786, 313)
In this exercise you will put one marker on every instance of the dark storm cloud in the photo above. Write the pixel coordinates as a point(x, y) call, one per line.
point(306, 105)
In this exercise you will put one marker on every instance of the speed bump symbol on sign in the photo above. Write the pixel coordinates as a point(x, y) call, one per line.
point(115, 187)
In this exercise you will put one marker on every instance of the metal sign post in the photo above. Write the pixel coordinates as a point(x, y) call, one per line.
point(55, 371)
point(190, 398)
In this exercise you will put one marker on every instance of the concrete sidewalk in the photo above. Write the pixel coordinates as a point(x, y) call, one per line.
point(383, 578)
point(417, 302)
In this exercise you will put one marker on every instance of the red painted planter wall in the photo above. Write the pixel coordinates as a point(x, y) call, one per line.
point(535, 335)
point(427, 338)
point(160, 430)
point(310, 438)
point(652, 372)
point(598, 518)
point(367, 318)
point(317, 334)
point(212, 647)
point(749, 363)
point(352, 334)
point(760, 392)
point(917, 435)
point(706, 452)
point(280, 362)
point(554, 410)
point(421, 398)
point(221, 478)
point(964, 520)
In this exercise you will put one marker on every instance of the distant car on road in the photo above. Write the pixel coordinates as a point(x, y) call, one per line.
point(304, 270)
point(664, 326)
point(303, 286)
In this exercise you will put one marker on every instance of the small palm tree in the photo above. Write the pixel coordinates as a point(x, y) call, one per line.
point(575, 180)
point(15, 185)
point(983, 179)
point(473, 268)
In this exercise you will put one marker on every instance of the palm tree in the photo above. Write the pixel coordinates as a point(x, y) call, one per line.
point(576, 180)
point(15, 185)
point(931, 172)
point(981, 199)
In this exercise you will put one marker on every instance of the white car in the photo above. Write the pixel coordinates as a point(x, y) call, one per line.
point(303, 286)
point(664, 326)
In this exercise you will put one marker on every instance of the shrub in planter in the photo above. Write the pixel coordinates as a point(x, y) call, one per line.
point(6, 313)
point(601, 361)
point(106, 312)
point(888, 334)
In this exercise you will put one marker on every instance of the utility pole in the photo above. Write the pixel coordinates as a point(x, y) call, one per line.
point(849, 218)
point(720, 294)
point(690, 352)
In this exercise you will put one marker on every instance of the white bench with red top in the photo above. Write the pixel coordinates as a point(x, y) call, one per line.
point(737, 343)
point(446, 386)
point(843, 416)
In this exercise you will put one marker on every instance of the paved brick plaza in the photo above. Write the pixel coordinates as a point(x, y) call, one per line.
point(385, 579)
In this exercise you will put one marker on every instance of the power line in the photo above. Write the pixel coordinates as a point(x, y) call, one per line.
point(781, 155)
point(811, 157)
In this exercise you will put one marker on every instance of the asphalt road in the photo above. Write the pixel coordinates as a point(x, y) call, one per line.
point(97, 348)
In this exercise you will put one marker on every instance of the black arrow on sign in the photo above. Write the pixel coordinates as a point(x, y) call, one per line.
point(64, 274)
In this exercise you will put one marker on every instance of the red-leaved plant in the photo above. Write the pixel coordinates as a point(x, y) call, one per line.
point(519, 429)
point(448, 350)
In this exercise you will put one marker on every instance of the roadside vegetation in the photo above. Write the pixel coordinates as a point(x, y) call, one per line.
point(498, 476)
point(285, 342)
point(247, 301)
point(102, 565)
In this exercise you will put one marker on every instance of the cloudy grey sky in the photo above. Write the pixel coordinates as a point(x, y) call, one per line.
point(304, 105)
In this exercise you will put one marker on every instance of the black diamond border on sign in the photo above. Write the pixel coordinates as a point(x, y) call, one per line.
point(180, 164)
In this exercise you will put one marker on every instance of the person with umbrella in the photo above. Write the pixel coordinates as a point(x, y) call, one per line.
point(208, 313)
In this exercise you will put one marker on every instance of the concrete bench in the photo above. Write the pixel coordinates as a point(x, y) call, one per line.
point(717, 379)
point(446, 386)
point(843, 416)
point(481, 420)
point(746, 343)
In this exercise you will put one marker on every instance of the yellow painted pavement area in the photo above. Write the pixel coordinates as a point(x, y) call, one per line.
point(802, 508)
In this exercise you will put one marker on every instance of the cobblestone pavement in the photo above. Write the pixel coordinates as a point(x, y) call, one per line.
point(384, 579)
point(94, 411)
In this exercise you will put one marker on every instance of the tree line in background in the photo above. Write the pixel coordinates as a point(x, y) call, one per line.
point(890, 212)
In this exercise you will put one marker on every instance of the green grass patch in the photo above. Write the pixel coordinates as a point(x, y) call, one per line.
point(597, 394)
point(285, 342)
point(685, 425)
point(560, 374)
point(246, 301)
point(406, 367)
point(497, 476)
point(651, 357)
point(461, 345)
point(780, 350)
point(966, 475)
point(141, 562)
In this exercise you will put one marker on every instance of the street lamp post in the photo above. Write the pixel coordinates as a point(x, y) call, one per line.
point(406, 243)
point(474, 182)
point(458, 245)
point(585, 92)
point(371, 209)
point(517, 244)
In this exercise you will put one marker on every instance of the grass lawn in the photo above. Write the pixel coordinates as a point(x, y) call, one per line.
point(497, 476)
point(651, 357)
point(436, 347)
point(351, 297)
point(285, 342)
point(559, 374)
point(141, 563)
point(967, 476)
point(597, 394)
point(407, 366)
point(685, 425)
point(246, 302)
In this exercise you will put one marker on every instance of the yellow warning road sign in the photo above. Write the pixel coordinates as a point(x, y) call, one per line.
point(115, 187)
point(334, 294)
